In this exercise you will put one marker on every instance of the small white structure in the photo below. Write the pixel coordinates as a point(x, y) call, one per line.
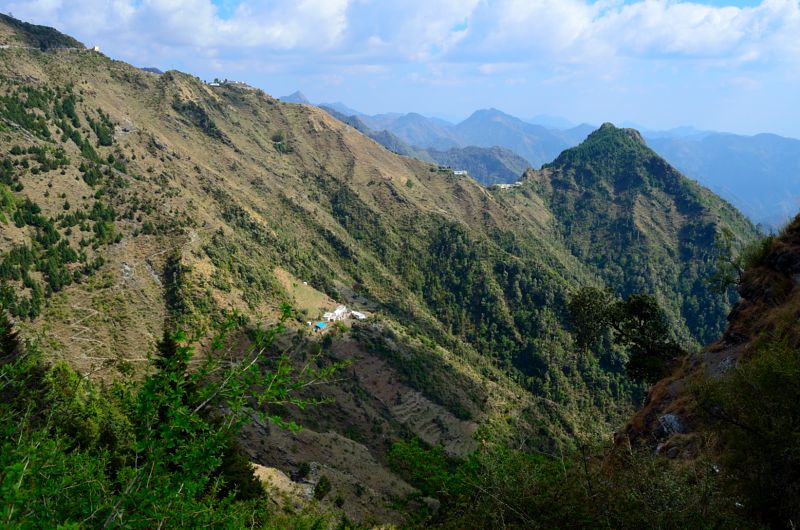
point(340, 313)
point(358, 315)
point(96, 48)
point(460, 173)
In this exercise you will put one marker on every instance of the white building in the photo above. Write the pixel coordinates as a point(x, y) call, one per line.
point(358, 315)
point(340, 313)
point(460, 173)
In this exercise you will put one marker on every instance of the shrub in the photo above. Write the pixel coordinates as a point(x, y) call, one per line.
point(322, 488)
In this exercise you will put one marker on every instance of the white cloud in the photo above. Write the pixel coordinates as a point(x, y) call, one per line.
point(662, 28)
point(577, 31)
point(490, 33)
point(299, 24)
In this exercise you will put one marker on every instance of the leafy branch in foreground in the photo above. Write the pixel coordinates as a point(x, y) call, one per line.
point(162, 453)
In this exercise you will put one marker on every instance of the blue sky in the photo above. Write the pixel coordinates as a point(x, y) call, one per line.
point(715, 64)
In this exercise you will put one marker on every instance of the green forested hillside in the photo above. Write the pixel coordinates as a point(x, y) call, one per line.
point(133, 202)
point(642, 226)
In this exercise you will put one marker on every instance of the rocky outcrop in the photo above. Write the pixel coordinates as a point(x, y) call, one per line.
point(670, 423)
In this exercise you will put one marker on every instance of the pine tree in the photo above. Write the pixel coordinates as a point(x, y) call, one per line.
point(10, 343)
point(170, 357)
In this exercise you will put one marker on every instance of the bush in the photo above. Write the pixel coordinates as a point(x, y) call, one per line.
point(501, 488)
point(157, 453)
point(322, 488)
point(754, 409)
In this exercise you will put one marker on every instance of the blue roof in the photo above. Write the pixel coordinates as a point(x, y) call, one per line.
point(321, 325)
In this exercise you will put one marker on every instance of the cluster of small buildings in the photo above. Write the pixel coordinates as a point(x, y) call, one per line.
point(508, 186)
point(456, 172)
point(341, 313)
point(337, 315)
point(230, 83)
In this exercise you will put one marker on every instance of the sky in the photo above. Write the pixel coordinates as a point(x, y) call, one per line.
point(714, 64)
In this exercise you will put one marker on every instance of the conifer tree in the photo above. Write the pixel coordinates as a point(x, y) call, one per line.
point(10, 343)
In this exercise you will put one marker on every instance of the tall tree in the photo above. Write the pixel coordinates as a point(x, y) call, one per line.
point(10, 343)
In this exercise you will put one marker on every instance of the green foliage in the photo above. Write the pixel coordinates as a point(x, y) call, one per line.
point(48, 253)
point(427, 469)
point(91, 174)
point(103, 129)
point(28, 214)
point(158, 453)
point(281, 144)
point(589, 315)
point(175, 292)
point(256, 281)
point(10, 343)
point(754, 409)
point(501, 488)
point(303, 470)
point(199, 117)
point(18, 110)
point(65, 108)
point(638, 324)
point(730, 267)
point(48, 158)
point(322, 488)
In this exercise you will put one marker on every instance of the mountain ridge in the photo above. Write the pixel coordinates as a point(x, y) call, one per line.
point(706, 156)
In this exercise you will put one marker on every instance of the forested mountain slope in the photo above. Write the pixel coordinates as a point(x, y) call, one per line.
point(641, 225)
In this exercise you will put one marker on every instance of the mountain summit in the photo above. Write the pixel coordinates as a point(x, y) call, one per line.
point(296, 97)
point(613, 199)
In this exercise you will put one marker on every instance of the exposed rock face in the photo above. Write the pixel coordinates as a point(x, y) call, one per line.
point(669, 422)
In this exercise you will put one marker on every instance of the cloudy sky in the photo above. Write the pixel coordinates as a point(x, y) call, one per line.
point(718, 64)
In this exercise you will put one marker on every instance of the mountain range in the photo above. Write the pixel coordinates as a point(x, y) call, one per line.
point(133, 204)
point(759, 174)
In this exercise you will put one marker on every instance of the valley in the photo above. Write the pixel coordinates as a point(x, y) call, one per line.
point(166, 245)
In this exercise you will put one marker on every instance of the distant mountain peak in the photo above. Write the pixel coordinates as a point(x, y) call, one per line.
point(296, 97)
point(489, 112)
point(340, 107)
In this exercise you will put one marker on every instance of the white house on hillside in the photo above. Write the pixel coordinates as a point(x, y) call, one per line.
point(340, 313)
